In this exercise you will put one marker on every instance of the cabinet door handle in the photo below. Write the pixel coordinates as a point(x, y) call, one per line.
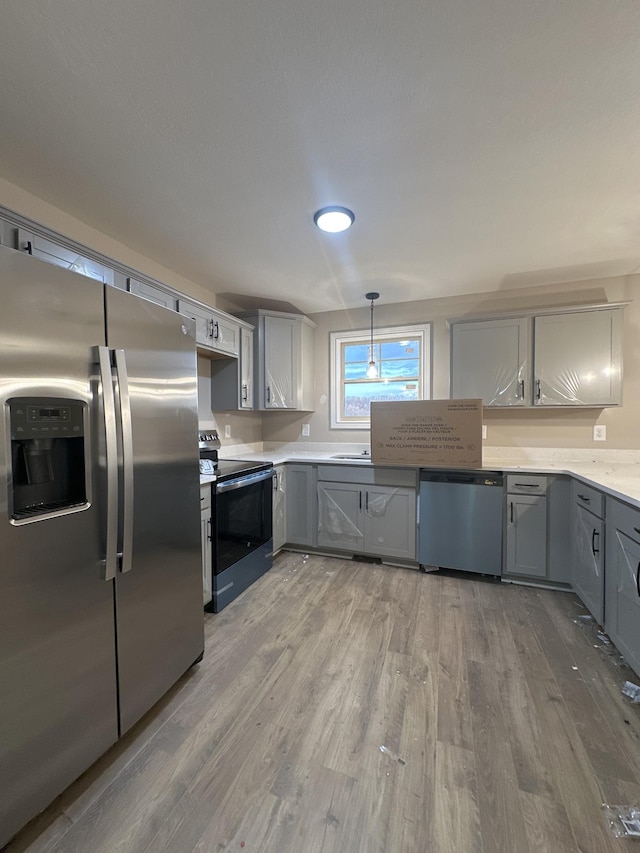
point(637, 529)
point(638, 579)
point(210, 326)
point(210, 527)
point(538, 389)
point(511, 506)
point(359, 500)
point(268, 393)
point(367, 503)
point(585, 499)
point(245, 392)
point(594, 550)
point(522, 389)
point(215, 330)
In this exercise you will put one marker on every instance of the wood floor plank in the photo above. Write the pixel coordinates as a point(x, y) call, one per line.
point(454, 711)
point(456, 815)
point(274, 739)
point(501, 818)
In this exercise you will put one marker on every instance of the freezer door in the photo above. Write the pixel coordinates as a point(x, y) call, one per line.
point(58, 709)
point(159, 615)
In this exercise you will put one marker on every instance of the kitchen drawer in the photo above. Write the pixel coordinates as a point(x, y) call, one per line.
point(367, 474)
point(526, 484)
point(589, 498)
point(623, 517)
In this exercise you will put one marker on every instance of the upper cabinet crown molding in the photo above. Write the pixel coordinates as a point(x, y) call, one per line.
point(550, 358)
point(535, 312)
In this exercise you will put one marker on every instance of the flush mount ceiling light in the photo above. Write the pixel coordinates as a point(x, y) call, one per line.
point(372, 370)
point(334, 219)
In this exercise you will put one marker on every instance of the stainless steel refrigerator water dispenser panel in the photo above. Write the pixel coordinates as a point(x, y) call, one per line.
point(47, 456)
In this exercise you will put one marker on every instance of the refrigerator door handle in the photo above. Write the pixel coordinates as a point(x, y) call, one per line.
point(111, 453)
point(127, 460)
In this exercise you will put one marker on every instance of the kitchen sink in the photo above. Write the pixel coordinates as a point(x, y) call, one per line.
point(359, 457)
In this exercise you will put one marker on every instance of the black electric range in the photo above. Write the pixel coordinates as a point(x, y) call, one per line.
point(229, 469)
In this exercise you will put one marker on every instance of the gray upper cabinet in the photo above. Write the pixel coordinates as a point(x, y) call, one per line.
point(490, 359)
point(216, 332)
point(232, 378)
point(563, 358)
point(61, 256)
point(578, 358)
point(152, 293)
point(283, 360)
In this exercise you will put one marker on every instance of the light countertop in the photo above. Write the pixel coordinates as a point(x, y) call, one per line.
point(618, 475)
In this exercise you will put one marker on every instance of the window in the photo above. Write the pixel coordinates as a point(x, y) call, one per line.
point(401, 355)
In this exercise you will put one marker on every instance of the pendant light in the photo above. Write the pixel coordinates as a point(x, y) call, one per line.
point(372, 370)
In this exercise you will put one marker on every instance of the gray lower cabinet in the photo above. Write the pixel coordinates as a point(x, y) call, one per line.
point(526, 526)
point(622, 593)
point(370, 511)
point(588, 549)
point(206, 536)
point(301, 506)
point(279, 508)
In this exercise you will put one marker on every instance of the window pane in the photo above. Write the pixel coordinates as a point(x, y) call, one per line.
point(356, 370)
point(406, 368)
point(400, 349)
point(355, 352)
point(359, 395)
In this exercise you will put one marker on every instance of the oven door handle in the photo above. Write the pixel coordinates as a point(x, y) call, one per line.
point(244, 480)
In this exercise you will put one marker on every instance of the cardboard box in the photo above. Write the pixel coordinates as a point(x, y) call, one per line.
point(428, 433)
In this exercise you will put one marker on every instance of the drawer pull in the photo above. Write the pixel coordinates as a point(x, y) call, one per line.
point(585, 499)
point(637, 529)
point(528, 485)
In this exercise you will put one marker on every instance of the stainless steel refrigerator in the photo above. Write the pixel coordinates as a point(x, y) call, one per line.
point(100, 561)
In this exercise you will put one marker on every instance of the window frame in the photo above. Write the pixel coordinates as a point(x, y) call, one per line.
point(336, 340)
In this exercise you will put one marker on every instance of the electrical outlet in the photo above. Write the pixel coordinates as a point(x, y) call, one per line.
point(227, 430)
point(306, 430)
point(484, 430)
point(599, 432)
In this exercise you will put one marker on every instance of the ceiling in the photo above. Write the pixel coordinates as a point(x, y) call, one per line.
point(482, 145)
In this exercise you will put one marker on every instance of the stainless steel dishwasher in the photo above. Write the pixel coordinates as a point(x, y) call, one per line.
point(461, 520)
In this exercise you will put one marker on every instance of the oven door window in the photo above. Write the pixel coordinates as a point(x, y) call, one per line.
point(244, 522)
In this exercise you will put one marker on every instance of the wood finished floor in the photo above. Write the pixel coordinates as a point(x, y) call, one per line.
point(503, 725)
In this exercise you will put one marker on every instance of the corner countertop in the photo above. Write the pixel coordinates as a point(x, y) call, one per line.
point(615, 472)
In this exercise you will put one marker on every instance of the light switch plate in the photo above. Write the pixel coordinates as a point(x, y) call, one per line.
point(599, 432)
point(484, 430)
point(227, 430)
point(305, 430)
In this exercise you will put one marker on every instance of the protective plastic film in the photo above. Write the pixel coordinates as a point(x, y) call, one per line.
point(278, 390)
point(333, 520)
point(507, 388)
point(564, 387)
point(377, 505)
